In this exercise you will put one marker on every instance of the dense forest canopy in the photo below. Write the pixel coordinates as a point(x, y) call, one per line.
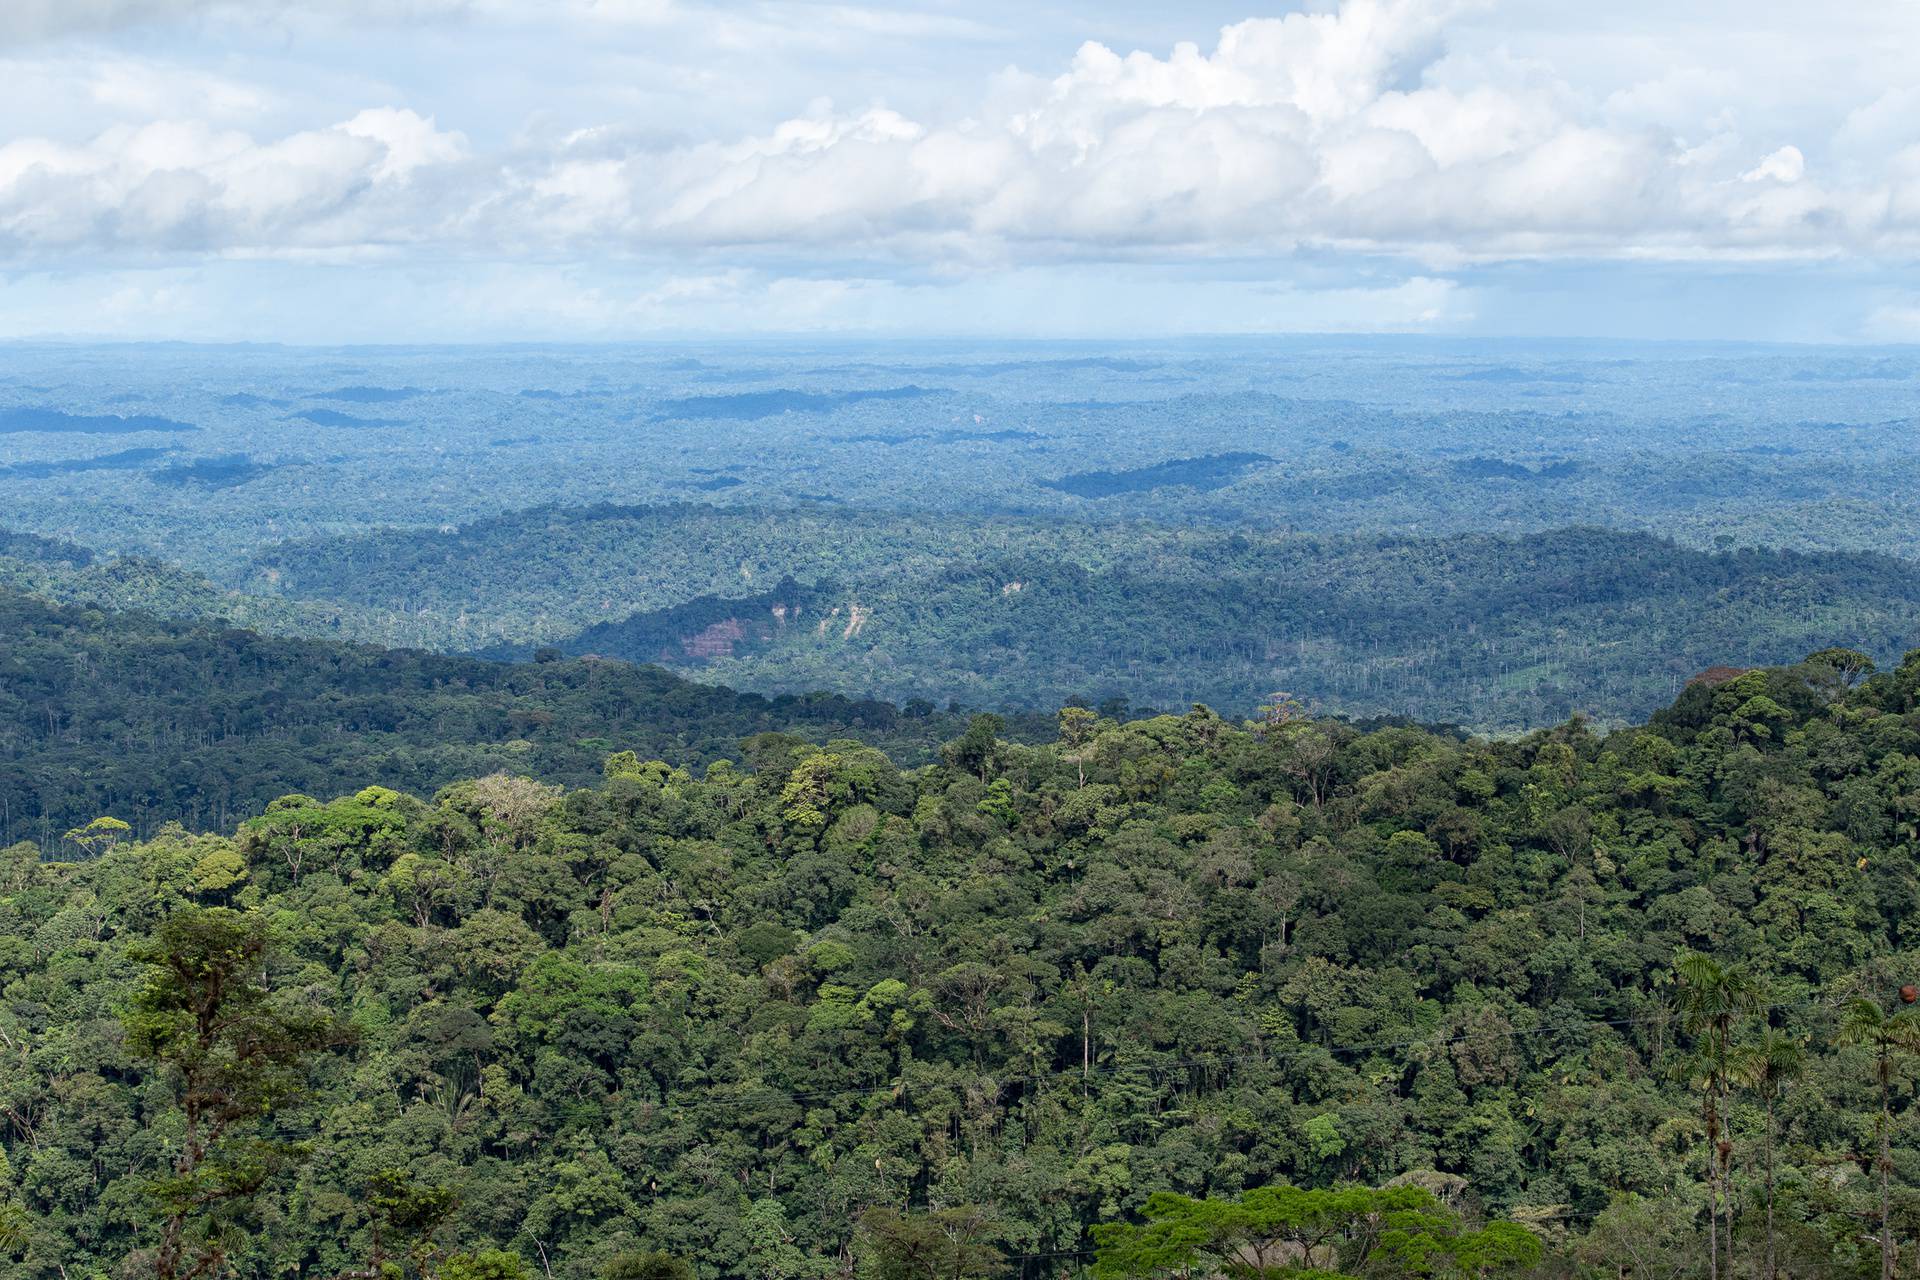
point(1151, 998)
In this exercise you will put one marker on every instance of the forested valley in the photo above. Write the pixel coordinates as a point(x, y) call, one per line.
point(1155, 998)
point(1495, 633)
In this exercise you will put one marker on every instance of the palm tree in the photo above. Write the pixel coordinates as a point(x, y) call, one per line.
point(1863, 1022)
point(1767, 1066)
point(1712, 998)
point(1698, 1071)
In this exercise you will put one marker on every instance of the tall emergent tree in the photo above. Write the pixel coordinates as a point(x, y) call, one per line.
point(232, 1055)
point(1712, 998)
point(1767, 1065)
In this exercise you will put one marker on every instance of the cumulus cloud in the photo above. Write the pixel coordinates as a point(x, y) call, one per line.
point(1356, 128)
point(1785, 165)
point(1348, 128)
point(1352, 128)
point(187, 187)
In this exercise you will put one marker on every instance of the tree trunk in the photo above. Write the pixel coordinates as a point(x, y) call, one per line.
point(1726, 1176)
point(1713, 1191)
point(171, 1254)
point(1767, 1271)
point(1086, 1048)
point(1886, 1167)
point(1886, 1201)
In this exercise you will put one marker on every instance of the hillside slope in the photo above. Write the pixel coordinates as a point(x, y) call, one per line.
point(1499, 633)
point(150, 720)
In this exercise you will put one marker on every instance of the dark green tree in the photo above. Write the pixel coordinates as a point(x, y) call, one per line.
point(231, 1056)
point(406, 1216)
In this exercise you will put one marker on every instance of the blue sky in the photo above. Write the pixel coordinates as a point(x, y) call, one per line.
point(472, 170)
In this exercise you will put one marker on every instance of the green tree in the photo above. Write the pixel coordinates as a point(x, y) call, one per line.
point(1843, 667)
point(14, 1222)
point(231, 1055)
point(646, 1266)
point(1293, 1230)
point(488, 1264)
point(99, 836)
point(975, 750)
point(405, 1218)
point(945, 1244)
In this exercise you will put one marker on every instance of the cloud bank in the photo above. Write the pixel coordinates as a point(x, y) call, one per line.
point(1369, 163)
point(1353, 129)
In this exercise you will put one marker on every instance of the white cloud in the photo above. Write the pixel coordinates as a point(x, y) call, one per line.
point(1350, 128)
point(184, 186)
point(27, 21)
point(1785, 165)
point(410, 142)
point(1363, 128)
point(1871, 132)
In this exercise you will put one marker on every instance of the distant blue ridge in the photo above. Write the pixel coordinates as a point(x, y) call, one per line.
point(37, 418)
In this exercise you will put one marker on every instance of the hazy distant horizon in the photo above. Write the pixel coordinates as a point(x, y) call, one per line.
point(1453, 343)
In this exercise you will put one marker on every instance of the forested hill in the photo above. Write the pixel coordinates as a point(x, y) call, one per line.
point(150, 720)
point(1500, 633)
point(1147, 997)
